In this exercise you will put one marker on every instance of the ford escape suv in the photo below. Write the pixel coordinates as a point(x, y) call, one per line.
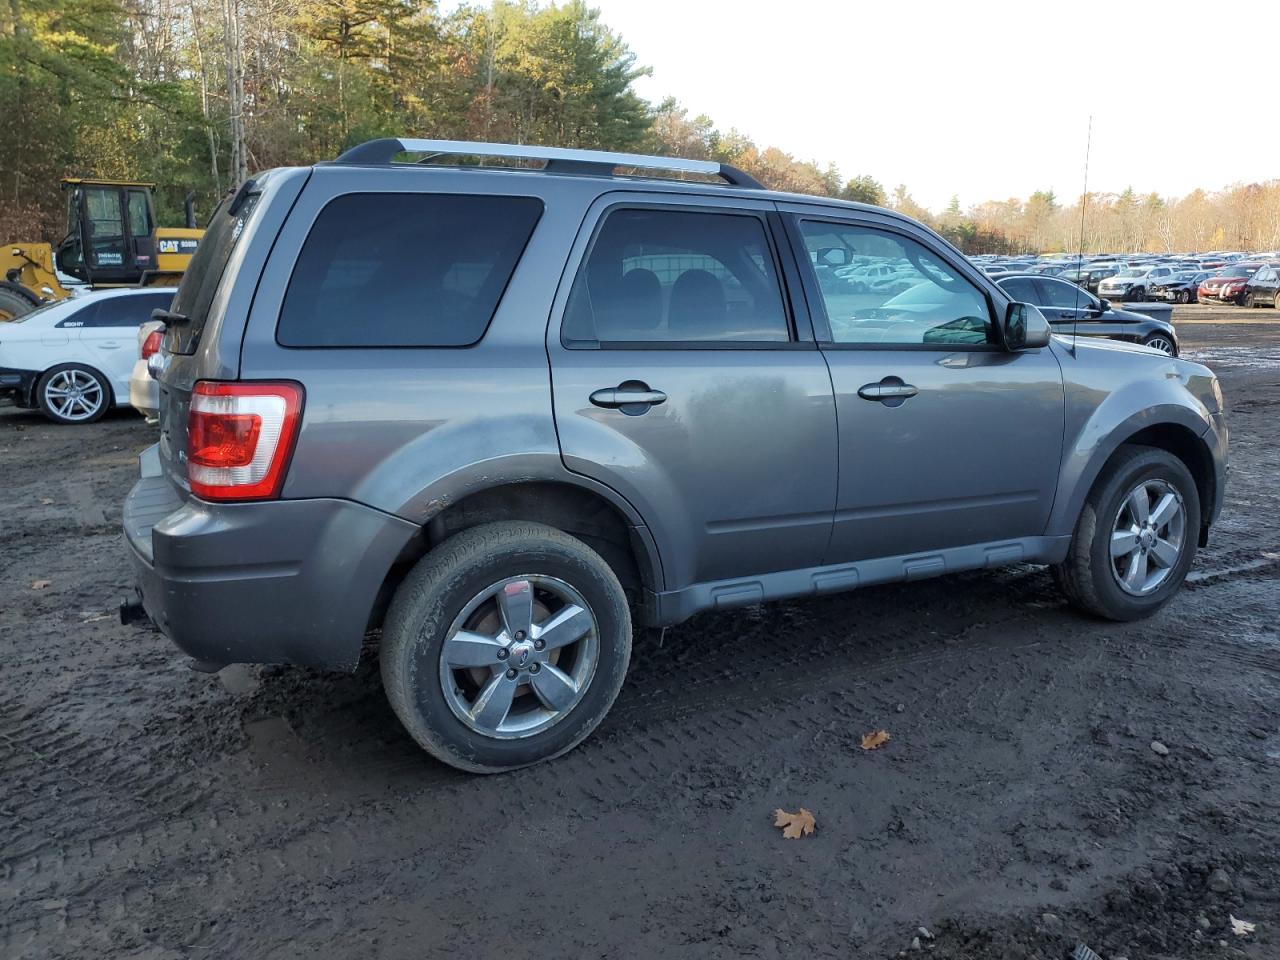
point(503, 413)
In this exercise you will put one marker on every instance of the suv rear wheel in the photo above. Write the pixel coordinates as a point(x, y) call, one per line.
point(505, 645)
point(1136, 536)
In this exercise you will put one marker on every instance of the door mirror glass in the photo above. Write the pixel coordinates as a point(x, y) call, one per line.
point(832, 257)
point(1103, 306)
point(1025, 327)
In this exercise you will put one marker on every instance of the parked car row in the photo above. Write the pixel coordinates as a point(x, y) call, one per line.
point(1225, 277)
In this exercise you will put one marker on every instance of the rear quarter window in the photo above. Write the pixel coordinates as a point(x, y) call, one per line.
point(204, 274)
point(404, 270)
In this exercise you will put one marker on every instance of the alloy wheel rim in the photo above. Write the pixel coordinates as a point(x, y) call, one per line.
point(73, 394)
point(1147, 537)
point(519, 657)
point(1161, 344)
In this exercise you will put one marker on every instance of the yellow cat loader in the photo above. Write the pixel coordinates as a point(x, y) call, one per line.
point(112, 241)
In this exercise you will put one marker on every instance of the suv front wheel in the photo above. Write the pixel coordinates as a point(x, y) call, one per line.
point(1136, 537)
point(505, 645)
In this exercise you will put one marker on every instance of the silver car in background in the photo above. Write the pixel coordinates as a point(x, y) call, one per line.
point(144, 392)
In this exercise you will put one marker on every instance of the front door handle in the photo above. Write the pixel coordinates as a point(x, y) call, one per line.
point(890, 391)
point(631, 397)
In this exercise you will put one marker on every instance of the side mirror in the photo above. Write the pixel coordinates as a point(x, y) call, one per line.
point(1103, 307)
point(1025, 327)
point(833, 257)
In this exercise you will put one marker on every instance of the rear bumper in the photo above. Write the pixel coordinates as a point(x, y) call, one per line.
point(144, 391)
point(20, 383)
point(284, 581)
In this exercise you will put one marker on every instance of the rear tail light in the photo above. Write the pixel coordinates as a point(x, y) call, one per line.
point(151, 345)
point(240, 437)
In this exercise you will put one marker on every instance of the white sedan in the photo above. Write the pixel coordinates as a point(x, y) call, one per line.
point(72, 359)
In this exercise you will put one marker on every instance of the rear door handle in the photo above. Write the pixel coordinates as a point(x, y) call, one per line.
point(631, 397)
point(890, 391)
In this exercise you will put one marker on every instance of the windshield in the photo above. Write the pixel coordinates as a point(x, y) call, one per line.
point(1133, 272)
point(1239, 270)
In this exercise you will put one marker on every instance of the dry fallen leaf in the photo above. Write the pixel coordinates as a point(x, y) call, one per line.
point(40, 584)
point(870, 741)
point(794, 825)
point(1241, 928)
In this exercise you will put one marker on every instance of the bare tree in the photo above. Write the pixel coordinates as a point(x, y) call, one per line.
point(235, 92)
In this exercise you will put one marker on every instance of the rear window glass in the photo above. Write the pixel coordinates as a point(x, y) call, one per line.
point(204, 274)
point(404, 270)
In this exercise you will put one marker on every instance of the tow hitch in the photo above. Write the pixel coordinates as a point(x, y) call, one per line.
point(131, 611)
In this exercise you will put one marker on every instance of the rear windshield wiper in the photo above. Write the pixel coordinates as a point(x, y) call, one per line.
point(168, 317)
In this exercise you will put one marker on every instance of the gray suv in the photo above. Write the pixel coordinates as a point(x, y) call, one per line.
point(504, 413)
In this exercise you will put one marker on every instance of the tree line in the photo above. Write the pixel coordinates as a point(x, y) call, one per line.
point(193, 95)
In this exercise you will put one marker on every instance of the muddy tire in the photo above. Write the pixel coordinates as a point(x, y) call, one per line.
point(13, 304)
point(1136, 536)
point(505, 645)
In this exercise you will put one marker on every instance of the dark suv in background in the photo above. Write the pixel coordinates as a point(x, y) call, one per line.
point(504, 414)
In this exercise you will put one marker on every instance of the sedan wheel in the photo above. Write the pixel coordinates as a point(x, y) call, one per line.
point(72, 394)
point(1161, 343)
point(1184, 296)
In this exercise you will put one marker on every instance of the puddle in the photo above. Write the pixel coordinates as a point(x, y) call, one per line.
point(1258, 356)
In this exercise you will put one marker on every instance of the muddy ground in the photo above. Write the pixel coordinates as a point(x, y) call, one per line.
point(149, 811)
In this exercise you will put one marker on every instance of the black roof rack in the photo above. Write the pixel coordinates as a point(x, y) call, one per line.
point(558, 159)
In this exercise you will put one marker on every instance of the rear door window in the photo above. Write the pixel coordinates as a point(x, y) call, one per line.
point(1066, 296)
point(129, 311)
point(405, 270)
point(677, 276)
point(1021, 289)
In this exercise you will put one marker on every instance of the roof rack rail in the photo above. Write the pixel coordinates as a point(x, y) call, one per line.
point(558, 159)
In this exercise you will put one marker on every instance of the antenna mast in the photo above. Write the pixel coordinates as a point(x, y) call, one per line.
point(1084, 202)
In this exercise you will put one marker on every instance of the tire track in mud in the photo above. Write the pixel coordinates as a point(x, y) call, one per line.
point(631, 760)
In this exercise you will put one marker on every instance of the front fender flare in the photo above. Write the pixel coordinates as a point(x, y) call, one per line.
point(1116, 420)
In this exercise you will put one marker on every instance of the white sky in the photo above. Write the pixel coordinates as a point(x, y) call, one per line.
point(987, 100)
